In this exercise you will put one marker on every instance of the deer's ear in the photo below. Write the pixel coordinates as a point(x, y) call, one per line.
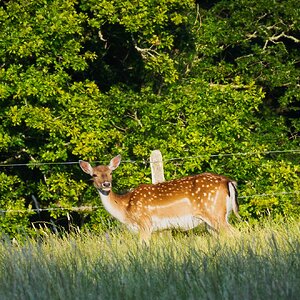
point(86, 167)
point(114, 163)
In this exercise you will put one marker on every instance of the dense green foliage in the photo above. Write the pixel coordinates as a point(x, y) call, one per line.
point(256, 263)
point(89, 79)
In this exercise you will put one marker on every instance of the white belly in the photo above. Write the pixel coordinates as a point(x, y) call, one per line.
point(182, 222)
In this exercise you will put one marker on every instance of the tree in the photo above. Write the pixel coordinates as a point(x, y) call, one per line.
point(254, 40)
point(89, 79)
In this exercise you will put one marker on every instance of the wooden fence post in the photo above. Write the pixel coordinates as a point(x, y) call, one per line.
point(157, 167)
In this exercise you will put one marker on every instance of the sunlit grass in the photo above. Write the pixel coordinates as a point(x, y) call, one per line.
point(258, 262)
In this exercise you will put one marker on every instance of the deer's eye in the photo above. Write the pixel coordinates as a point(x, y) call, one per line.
point(95, 175)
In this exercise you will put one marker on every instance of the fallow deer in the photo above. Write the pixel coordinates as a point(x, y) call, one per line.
point(180, 203)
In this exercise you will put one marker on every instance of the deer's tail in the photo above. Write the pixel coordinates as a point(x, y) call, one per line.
point(233, 195)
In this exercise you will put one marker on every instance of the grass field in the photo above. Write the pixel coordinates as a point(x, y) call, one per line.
point(258, 262)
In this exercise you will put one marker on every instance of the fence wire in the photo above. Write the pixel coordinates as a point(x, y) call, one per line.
point(91, 208)
point(36, 164)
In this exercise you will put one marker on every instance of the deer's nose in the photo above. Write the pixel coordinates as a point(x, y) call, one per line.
point(106, 184)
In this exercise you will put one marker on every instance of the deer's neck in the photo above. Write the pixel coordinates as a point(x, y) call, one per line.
point(114, 204)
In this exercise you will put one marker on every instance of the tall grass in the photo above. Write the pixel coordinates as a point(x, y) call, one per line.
point(262, 262)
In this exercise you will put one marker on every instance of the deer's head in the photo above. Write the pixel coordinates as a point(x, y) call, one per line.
point(101, 175)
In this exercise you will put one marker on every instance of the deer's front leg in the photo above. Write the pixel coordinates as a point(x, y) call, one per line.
point(145, 230)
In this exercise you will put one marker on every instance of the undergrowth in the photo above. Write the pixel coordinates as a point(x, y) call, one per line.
point(256, 262)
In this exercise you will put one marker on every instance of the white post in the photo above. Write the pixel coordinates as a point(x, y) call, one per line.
point(157, 167)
